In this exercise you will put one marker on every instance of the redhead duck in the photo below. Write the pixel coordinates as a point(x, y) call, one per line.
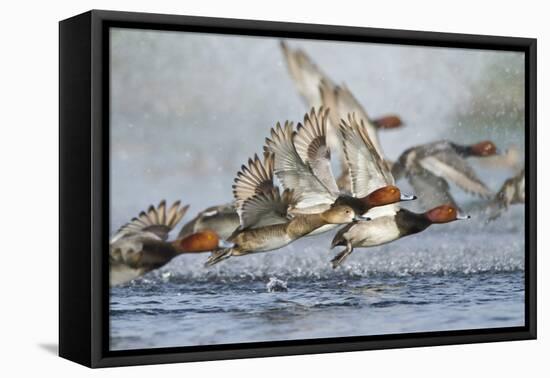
point(386, 229)
point(511, 192)
point(266, 224)
point(367, 169)
point(223, 219)
point(317, 89)
point(429, 168)
point(302, 164)
point(142, 245)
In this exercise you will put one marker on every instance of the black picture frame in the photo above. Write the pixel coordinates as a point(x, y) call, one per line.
point(84, 187)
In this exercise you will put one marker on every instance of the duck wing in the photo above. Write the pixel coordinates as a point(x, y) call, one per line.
point(257, 200)
point(368, 170)
point(341, 102)
point(305, 73)
point(309, 190)
point(450, 166)
point(311, 144)
point(266, 209)
point(432, 190)
point(220, 215)
point(155, 222)
point(253, 179)
point(150, 227)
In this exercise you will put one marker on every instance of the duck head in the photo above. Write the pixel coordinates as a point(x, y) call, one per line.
point(388, 122)
point(341, 214)
point(386, 196)
point(485, 148)
point(444, 214)
point(202, 241)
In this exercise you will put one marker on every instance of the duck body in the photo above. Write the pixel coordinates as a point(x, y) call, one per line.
point(276, 236)
point(386, 229)
point(142, 244)
point(381, 230)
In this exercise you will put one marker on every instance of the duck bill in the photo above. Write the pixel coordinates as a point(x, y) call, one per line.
point(358, 218)
point(225, 244)
point(461, 216)
point(407, 197)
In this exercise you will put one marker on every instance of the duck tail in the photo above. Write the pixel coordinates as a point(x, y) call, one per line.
point(340, 257)
point(217, 256)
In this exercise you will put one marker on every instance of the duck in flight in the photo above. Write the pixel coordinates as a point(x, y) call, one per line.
point(142, 245)
point(430, 167)
point(265, 222)
point(302, 164)
point(368, 170)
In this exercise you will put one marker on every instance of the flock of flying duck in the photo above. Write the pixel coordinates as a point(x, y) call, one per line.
point(310, 201)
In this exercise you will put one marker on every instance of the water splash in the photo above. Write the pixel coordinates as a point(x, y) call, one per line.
point(276, 285)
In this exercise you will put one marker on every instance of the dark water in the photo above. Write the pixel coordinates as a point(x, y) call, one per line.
point(470, 276)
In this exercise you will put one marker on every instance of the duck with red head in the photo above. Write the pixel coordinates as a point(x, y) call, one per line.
point(265, 224)
point(387, 195)
point(142, 245)
point(430, 168)
point(386, 229)
point(302, 164)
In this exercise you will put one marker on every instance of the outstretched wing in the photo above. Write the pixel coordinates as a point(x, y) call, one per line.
point(293, 173)
point(257, 200)
point(341, 102)
point(222, 219)
point(266, 209)
point(368, 170)
point(452, 167)
point(305, 73)
point(155, 222)
point(311, 145)
point(253, 179)
point(432, 190)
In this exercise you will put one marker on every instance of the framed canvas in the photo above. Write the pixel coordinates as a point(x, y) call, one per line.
point(235, 188)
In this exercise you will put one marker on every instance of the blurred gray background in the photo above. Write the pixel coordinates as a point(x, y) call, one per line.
point(188, 109)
